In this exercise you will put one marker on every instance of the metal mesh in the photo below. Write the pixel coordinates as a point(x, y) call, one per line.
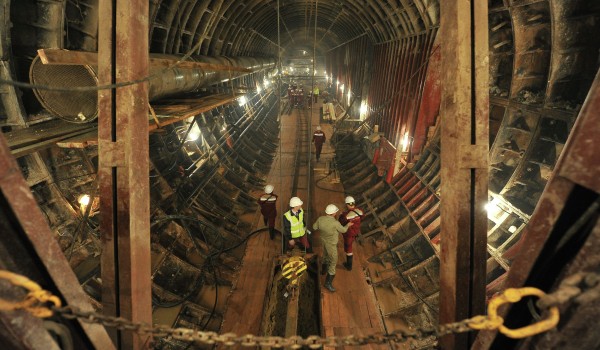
point(76, 107)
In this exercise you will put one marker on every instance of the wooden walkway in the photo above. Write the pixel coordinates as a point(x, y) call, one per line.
point(352, 309)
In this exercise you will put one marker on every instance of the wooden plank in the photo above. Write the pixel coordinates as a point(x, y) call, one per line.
point(466, 69)
point(80, 141)
point(190, 112)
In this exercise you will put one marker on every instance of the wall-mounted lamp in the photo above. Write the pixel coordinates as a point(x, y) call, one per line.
point(194, 134)
point(406, 142)
point(363, 109)
point(242, 100)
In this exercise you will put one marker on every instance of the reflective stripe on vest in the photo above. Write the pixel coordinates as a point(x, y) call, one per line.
point(296, 223)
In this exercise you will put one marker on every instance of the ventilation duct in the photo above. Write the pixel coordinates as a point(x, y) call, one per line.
point(82, 107)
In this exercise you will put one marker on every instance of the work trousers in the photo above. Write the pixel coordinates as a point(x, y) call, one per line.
point(329, 256)
point(318, 148)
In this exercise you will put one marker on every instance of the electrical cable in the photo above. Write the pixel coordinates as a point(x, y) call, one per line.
point(208, 260)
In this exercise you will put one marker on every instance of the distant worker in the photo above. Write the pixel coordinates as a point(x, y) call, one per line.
point(352, 215)
point(330, 229)
point(316, 94)
point(294, 226)
point(319, 139)
point(268, 208)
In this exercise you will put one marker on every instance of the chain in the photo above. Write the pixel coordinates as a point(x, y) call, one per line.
point(248, 340)
point(582, 287)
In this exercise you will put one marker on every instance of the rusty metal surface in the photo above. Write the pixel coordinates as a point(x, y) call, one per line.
point(124, 186)
point(582, 160)
point(17, 193)
point(553, 200)
point(573, 332)
point(464, 191)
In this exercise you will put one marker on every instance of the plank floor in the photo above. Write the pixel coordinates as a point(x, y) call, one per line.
point(352, 309)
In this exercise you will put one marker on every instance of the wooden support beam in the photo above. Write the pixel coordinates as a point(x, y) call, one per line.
point(66, 57)
point(124, 166)
point(37, 137)
point(185, 111)
point(30, 248)
point(464, 173)
point(83, 135)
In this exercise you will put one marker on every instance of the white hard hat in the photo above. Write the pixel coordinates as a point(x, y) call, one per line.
point(350, 199)
point(295, 201)
point(269, 189)
point(318, 127)
point(331, 209)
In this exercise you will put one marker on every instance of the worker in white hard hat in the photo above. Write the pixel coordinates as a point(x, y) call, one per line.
point(318, 139)
point(268, 208)
point(330, 229)
point(353, 215)
point(294, 226)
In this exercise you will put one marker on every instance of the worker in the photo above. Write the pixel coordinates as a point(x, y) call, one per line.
point(268, 208)
point(300, 97)
point(319, 139)
point(330, 229)
point(352, 215)
point(294, 226)
point(316, 94)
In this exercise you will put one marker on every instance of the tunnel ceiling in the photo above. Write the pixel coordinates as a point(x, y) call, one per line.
point(250, 27)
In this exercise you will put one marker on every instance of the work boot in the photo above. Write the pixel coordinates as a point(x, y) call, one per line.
point(328, 281)
point(348, 263)
point(323, 269)
point(272, 233)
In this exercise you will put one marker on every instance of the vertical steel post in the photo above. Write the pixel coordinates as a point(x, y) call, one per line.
point(124, 165)
point(464, 157)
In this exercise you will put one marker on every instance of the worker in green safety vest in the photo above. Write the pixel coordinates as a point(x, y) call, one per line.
point(294, 226)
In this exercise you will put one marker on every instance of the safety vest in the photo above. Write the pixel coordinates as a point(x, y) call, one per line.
point(296, 223)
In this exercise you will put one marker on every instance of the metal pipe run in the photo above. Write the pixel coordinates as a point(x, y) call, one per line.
point(82, 106)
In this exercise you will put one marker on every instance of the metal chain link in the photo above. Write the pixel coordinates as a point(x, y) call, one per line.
point(581, 287)
point(228, 339)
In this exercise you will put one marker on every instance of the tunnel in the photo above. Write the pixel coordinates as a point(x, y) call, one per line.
point(464, 132)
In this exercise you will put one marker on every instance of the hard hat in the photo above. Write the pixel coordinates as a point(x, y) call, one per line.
point(318, 127)
point(269, 189)
point(331, 209)
point(295, 202)
point(350, 199)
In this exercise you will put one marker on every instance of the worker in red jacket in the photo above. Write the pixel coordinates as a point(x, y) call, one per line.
point(318, 139)
point(353, 214)
point(268, 208)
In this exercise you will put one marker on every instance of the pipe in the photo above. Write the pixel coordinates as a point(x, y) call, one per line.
point(82, 107)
